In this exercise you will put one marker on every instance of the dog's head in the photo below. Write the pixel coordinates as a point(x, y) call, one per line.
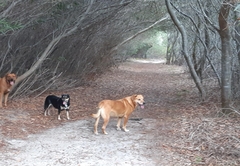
point(10, 78)
point(139, 99)
point(66, 100)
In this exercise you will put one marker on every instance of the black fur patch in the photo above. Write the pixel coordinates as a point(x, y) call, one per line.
point(60, 103)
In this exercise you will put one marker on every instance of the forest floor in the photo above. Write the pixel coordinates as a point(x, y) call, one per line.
point(175, 129)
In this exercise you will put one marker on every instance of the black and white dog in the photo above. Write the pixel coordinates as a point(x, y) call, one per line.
point(60, 103)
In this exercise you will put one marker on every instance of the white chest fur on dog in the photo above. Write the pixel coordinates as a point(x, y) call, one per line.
point(65, 108)
point(60, 103)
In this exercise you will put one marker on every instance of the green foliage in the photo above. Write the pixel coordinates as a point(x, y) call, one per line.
point(67, 5)
point(198, 159)
point(2, 3)
point(143, 46)
point(156, 39)
point(159, 43)
point(61, 6)
point(62, 59)
point(6, 26)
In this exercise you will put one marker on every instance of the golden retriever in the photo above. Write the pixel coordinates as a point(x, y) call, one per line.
point(121, 108)
point(5, 86)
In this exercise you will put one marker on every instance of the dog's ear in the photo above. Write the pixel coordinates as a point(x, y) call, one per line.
point(11, 75)
point(6, 76)
point(134, 96)
point(15, 75)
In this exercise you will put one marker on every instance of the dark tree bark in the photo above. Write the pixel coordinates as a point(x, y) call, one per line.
point(172, 42)
point(187, 57)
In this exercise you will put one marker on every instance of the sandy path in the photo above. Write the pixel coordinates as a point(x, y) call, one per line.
point(75, 144)
point(175, 128)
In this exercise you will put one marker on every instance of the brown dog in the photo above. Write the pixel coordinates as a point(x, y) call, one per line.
point(121, 108)
point(5, 86)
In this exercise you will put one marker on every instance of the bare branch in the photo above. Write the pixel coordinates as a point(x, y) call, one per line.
point(52, 45)
point(138, 33)
point(5, 12)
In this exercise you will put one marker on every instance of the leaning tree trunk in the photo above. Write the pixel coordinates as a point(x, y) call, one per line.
point(188, 59)
point(52, 45)
point(170, 55)
point(225, 35)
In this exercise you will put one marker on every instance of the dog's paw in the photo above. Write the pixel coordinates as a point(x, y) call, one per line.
point(126, 130)
point(118, 128)
point(96, 133)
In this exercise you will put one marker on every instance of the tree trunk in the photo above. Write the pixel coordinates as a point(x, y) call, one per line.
point(170, 55)
point(185, 51)
point(52, 45)
point(237, 28)
point(225, 35)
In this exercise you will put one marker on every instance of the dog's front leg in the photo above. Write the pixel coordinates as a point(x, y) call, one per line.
point(67, 112)
point(1, 97)
point(119, 123)
point(125, 123)
point(5, 99)
point(59, 112)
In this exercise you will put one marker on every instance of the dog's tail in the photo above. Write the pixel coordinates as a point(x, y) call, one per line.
point(97, 114)
point(100, 107)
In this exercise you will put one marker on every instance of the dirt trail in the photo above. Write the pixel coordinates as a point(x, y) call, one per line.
point(169, 131)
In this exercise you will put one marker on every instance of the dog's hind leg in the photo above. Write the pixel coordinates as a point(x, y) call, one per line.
point(46, 110)
point(106, 120)
point(96, 125)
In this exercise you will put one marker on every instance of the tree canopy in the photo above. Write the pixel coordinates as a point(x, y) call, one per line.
point(56, 44)
point(65, 43)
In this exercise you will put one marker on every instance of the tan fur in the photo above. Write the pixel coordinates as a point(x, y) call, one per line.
point(5, 86)
point(121, 108)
